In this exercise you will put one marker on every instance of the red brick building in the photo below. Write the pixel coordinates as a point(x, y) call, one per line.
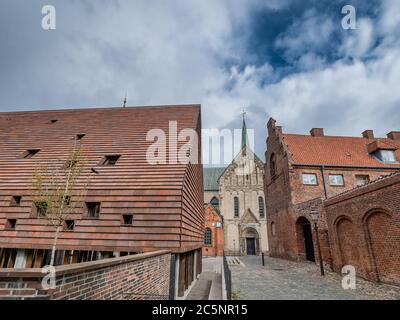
point(364, 229)
point(304, 170)
point(140, 207)
point(213, 233)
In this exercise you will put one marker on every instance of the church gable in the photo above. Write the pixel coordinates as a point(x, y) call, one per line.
point(244, 159)
point(249, 218)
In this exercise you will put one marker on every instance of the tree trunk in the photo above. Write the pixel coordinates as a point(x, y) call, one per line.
point(53, 250)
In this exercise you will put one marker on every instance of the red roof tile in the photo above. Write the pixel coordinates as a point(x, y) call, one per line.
point(337, 150)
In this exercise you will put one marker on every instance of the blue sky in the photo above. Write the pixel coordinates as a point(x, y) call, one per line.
point(289, 59)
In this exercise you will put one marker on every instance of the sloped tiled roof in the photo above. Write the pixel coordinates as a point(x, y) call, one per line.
point(211, 176)
point(160, 196)
point(337, 150)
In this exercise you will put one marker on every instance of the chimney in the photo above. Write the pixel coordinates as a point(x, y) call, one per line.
point(394, 135)
point(368, 134)
point(317, 132)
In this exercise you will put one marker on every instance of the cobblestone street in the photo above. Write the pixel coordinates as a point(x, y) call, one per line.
point(287, 280)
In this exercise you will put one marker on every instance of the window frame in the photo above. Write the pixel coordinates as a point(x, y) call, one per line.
point(272, 165)
point(379, 155)
point(124, 221)
point(303, 174)
point(364, 176)
point(98, 212)
point(261, 207)
point(236, 207)
point(208, 237)
point(11, 224)
point(334, 184)
point(15, 201)
point(211, 201)
point(67, 225)
point(39, 208)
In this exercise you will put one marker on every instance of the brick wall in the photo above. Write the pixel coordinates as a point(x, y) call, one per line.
point(135, 277)
point(289, 201)
point(217, 233)
point(364, 228)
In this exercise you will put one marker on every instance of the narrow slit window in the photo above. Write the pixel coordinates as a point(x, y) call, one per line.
point(53, 120)
point(236, 206)
point(207, 237)
point(261, 207)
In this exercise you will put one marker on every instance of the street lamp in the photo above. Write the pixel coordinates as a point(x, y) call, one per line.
point(315, 217)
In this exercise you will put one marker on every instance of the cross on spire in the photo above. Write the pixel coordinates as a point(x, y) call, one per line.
point(126, 94)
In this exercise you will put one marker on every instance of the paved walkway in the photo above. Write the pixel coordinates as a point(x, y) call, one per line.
point(209, 285)
point(287, 280)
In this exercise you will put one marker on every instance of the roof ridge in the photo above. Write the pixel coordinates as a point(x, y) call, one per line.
point(384, 139)
point(104, 108)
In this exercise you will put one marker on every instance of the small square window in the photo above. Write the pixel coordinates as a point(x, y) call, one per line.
point(362, 180)
point(310, 179)
point(336, 180)
point(16, 201)
point(110, 160)
point(93, 209)
point(128, 219)
point(69, 225)
point(41, 208)
point(29, 153)
point(11, 223)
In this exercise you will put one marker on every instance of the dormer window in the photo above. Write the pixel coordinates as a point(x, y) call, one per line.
point(80, 136)
point(110, 160)
point(385, 155)
point(29, 153)
point(382, 151)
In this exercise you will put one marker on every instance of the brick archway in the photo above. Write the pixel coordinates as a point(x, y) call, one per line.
point(348, 244)
point(305, 244)
point(385, 255)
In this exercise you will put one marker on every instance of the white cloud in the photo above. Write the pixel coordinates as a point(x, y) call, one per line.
point(169, 52)
point(360, 41)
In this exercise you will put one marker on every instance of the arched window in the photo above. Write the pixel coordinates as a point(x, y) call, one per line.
point(236, 206)
point(207, 237)
point(261, 209)
point(272, 165)
point(215, 202)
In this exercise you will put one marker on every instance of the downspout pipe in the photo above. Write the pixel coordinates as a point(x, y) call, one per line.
point(323, 181)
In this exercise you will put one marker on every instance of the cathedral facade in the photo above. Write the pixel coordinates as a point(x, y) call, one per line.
point(238, 191)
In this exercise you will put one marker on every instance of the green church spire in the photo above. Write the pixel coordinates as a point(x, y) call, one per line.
point(245, 138)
